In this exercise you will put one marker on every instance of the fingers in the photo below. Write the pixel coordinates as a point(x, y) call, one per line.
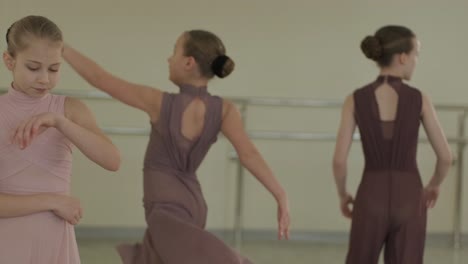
point(72, 221)
point(17, 137)
point(346, 207)
point(77, 217)
point(28, 133)
point(346, 211)
point(38, 130)
point(286, 232)
point(283, 226)
point(430, 197)
point(23, 133)
point(431, 203)
point(348, 214)
point(283, 232)
point(27, 130)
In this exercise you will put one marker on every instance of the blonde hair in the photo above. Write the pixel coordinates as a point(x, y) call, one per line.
point(31, 26)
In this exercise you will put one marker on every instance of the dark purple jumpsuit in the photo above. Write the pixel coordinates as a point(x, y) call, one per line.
point(389, 210)
point(174, 204)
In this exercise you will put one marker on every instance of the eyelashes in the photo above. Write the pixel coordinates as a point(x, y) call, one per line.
point(36, 69)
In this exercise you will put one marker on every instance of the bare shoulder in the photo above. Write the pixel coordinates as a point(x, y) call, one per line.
point(74, 108)
point(425, 97)
point(426, 104)
point(349, 100)
point(348, 104)
point(228, 107)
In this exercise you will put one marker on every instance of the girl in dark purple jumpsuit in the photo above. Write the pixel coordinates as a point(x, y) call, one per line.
point(391, 202)
point(184, 126)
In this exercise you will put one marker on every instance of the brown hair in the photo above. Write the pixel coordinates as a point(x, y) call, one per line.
point(386, 42)
point(209, 53)
point(31, 26)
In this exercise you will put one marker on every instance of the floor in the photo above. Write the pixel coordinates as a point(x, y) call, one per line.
point(101, 251)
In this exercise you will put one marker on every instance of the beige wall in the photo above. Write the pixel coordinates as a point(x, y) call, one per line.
point(306, 49)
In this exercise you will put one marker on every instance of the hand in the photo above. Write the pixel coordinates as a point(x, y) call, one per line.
point(431, 194)
point(32, 127)
point(345, 202)
point(283, 219)
point(68, 208)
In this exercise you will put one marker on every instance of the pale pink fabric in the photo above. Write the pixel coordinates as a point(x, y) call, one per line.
point(45, 166)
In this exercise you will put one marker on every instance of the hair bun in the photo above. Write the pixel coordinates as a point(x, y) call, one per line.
point(372, 48)
point(222, 66)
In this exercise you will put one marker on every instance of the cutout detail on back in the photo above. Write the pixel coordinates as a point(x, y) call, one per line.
point(193, 119)
point(386, 101)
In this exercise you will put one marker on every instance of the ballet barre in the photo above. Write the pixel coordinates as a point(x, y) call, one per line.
point(244, 103)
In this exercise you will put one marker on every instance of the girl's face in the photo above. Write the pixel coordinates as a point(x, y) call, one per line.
point(36, 70)
point(177, 62)
point(407, 61)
